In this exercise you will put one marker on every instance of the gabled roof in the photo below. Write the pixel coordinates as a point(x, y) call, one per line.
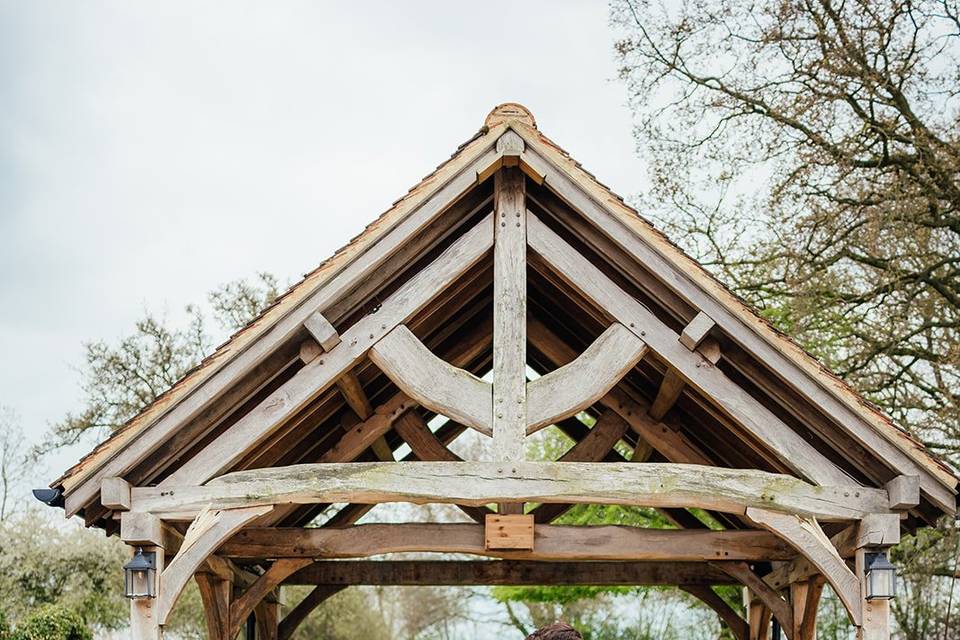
point(545, 162)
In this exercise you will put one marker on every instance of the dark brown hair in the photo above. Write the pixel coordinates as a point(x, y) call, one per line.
point(556, 631)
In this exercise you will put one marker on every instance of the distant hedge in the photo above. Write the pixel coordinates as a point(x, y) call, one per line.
point(49, 622)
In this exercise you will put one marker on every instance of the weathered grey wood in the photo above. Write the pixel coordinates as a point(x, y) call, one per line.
point(789, 447)
point(510, 144)
point(143, 529)
point(446, 189)
point(115, 494)
point(694, 333)
point(427, 447)
point(514, 572)
point(904, 492)
point(771, 599)
point(479, 483)
point(578, 385)
point(873, 622)
point(737, 625)
point(423, 442)
point(435, 384)
point(876, 530)
point(318, 375)
point(509, 313)
point(242, 607)
point(322, 331)
point(215, 594)
point(353, 393)
point(552, 542)
point(739, 326)
point(672, 444)
point(667, 394)
point(145, 622)
point(806, 536)
point(207, 532)
point(305, 607)
point(594, 447)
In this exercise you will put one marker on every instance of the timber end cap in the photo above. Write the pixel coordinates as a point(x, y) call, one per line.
point(510, 111)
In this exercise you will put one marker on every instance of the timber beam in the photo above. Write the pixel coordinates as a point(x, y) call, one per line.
point(481, 483)
point(514, 573)
point(551, 543)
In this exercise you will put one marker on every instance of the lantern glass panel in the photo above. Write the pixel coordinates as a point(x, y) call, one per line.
point(881, 577)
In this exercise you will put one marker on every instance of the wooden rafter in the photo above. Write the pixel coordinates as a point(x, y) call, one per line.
point(789, 371)
point(315, 377)
point(417, 214)
point(586, 278)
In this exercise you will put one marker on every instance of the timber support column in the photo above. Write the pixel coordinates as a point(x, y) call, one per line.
point(510, 307)
point(877, 533)
point(145, 531)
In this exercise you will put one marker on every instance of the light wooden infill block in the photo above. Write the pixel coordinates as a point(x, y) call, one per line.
point(508, 532)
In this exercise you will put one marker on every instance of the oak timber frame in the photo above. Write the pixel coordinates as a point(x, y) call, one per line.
point(508, 262)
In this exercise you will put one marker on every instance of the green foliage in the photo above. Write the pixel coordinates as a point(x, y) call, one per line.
point(119, 378)
point(43, 564)
point(52, 622)
point(349, 615)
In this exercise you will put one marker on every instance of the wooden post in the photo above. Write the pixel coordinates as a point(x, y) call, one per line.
point(509, 320)
point(509, 316)
point(876, 613)
point(144, 618)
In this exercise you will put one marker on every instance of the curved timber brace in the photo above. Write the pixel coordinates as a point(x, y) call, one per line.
point(806, 536)
point(208, 531)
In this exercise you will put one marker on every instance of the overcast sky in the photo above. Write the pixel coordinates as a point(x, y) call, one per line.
point(149, 152)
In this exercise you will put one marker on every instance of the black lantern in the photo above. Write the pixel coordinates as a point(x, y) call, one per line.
point(140, 575)
point(880, 576)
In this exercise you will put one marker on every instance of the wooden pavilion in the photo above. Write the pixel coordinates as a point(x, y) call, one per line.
point(509, 292)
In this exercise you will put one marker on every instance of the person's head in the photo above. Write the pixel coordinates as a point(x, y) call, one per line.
point(555, 631)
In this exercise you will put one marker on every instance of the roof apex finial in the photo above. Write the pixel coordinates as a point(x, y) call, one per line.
point(510, 111)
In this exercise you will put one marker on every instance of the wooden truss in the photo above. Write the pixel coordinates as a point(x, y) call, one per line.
point(649, 375)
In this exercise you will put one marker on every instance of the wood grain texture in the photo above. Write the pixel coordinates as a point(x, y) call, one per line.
point(515, 572)
point(434, 383)
point(806, 536)
point(315, 377)
point(788, 446)
point(791, 366)
point(570, 389)
point(209, 530)
point(243, 606)
point(697, 329)
point(480, 483)
point(457, 178)
point(551, 543)
point(509, 314)
point(508, 532)
point(322, 331)
point(779, 607)
point(305, 607)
